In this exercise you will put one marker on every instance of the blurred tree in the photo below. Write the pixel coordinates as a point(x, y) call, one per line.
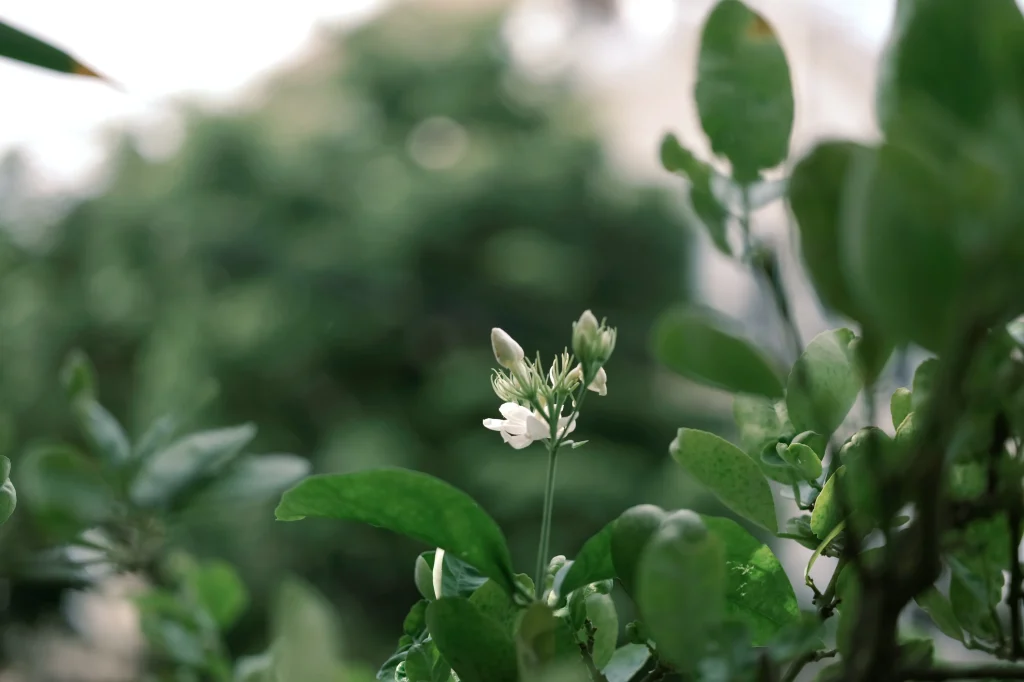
point(328, 265)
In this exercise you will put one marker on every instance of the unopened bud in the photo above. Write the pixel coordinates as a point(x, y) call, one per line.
point(583, 333)
point(507, 352)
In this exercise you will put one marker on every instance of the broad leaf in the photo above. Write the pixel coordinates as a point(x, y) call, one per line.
point(601, 613)
point(477, 647)
point(543, 641)
point(828, 510)
point(253, 479)
point(743, 92)
point(592, 563)
point(681, 588)
point(699, 345)
point(936, 605)
point(714, 216)
point(413, 504)
point(725, 470)
point(494, 602)
point(823, 384)
point(63, 488)
point(760, 422)
point(20, 46)
point(169, 471)
point(156, 437)
point(103, 432)
point(626, 662)
point(630, 533)
point(757, 591)
point(900, 405)
point(459, 579)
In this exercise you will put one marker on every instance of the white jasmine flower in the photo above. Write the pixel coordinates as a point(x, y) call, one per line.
point(600, 383)
point(522, 426)
point(507, 352)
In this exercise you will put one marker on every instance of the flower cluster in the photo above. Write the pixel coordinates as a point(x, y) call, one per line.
point(534, 401)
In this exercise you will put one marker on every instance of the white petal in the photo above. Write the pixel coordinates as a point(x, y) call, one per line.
point(438, 572)
point(562, 425)
point(514, 428)
point(518, 442)
point(537, 428)
point(514, 412)
point(600, 383)
point(494, 424)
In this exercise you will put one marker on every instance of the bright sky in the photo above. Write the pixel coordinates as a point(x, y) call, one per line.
point(162, 51)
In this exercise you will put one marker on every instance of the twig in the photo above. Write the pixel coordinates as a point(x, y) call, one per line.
point(992, 671)
point(810, 657)
point(588, 660)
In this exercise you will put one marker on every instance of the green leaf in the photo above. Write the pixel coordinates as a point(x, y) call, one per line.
point(255, 668)
point(156, 437)
point(630, 533)
point(103, 432)
point(626, 662)
point(734, 478)
point(217, 587)
point(816, 191)
point(77, 375)
point(421, 664)
point(936, 605)
point(681, 588)
point(925, 377)
point(459, 579)
point(543, 640)
point(760, 422)
point(252, 479)
point(20, 46)
point(423, 575)
point(592, 563)
point(802, 458)
point(900, 406)
point(901, 254)
point(411, 503)
point(601, 613)
point(494, 602)
point(8, 499)
point(828, 511)
point(743, 90)
point(476, 647)
point(306, 633)
point(63, 488)
point(169, 471)
point(698, 345)
point(823, 384)
point(677, 159)
point(757, 591)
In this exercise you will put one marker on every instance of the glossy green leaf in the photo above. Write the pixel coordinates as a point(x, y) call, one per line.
point(760, 422)
point(602, 614)
point(626, 662)
point(105, 435)
point(823, 384)
point(936, 605)
point(802, 458)
point(924, 383)
point(712, 214)
point(757, 591)
point(494, 602)
point(900, 406)
point(630, 533)
point(20, 46)
point(169, 471)
point(413, 504)
point(423, 575)
point(423, 664)
point(217, 587)
point(458, 578)
point(828, 510)
point(726, 471)
point(592, 563)
point(477, 647)
point(8, 500)
point(681, 585)
point(816, 192)
point(699, 345)
point(743, 92)
point(253, 479)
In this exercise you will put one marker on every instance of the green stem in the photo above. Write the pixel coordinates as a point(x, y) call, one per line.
point(545, 524)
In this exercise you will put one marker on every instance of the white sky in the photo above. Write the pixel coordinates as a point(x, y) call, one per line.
point(210, 48)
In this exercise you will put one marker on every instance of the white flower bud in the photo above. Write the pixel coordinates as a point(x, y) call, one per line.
point(438, 574)
point(507, 352)
point(583, 333)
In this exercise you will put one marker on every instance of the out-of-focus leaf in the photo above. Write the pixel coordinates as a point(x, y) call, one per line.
point(476, 647)
point(103, 432)
point(64, 488)
point(823, 384)
point(253, 478)
point(217, 587)
point(20, 46)
point(713, 215)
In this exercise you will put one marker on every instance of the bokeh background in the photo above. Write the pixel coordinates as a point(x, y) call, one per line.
point(310, 216)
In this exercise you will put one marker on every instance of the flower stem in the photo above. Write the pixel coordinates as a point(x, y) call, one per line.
point(545, 524)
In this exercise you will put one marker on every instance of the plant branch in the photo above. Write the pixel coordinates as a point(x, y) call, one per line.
point(810, 657)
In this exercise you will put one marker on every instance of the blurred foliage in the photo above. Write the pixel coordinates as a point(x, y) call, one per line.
point(328, 265)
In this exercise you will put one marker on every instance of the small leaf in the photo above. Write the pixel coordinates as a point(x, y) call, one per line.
point(828, 511)
point(217, 587)
point(413, 504)
point(743, 90)
point(103, 432)
point(156, 437)
point(169, 471)
point(759, 422)
point(757, 591)
point(630, 533)
point(64, 488)
point(252, 479)
point(925, 377)
point(22, 47)
point(733, 477)
point(476, 647)
point(803, 459)
point(714, 216)
point(459, 579)
point(681, 588)
point(935, 604)
point(601, 613)
point(423, 575)
point(8, 500)
point(592, 563)
point(697, 345)
point(77, 375)
point(626, 662)
point(900, 406)
point(823, 384)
